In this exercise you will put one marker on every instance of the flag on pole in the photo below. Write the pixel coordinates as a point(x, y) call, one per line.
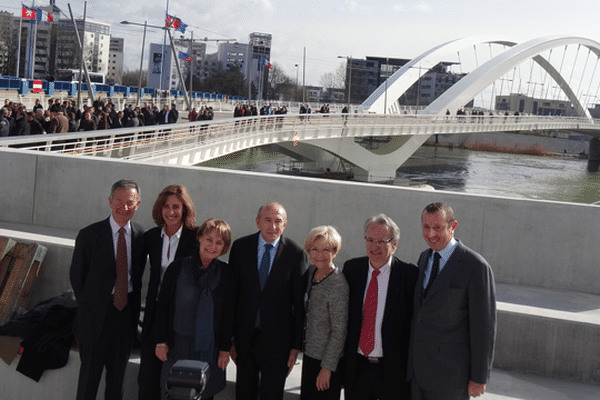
point(38, 14)
point(175, 23)
point(28, 13)
point(266, 63)
point(185, 56)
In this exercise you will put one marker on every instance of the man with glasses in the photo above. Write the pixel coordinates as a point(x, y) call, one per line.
point(380, 310)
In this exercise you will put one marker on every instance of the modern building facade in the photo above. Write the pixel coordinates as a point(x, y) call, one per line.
point(170, 76)
point(114, 73)
point(364, 76)
point(523, 104)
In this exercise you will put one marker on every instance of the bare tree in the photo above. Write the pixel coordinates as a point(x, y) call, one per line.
point(335, 79)
point(131, 78)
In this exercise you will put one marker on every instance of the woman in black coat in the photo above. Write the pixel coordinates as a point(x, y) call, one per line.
point(194, 317)
point(173, 238)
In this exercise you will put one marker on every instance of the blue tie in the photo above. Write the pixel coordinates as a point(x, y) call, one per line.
point(265, 263)
point(435, 269)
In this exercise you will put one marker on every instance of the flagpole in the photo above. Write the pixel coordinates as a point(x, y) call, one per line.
point(29, 58)
point(141, 64)
point(19, 44)
point(191, 60)
point(175, 56)
point(164, 54)
point(32, 74)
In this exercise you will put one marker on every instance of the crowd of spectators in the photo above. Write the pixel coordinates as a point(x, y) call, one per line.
point(65, 116)
point(249, 110)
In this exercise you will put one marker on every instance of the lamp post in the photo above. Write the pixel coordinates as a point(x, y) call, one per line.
point(349, 69)
point(296, 91)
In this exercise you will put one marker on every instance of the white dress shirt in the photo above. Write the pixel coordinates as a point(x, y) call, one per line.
point(382, 285)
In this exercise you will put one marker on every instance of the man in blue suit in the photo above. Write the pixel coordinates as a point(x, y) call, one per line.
point(454, 320)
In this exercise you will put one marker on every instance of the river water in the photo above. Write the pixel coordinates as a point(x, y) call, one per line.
point(499, 174)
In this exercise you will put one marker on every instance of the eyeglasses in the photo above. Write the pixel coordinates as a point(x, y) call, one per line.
point(378, 242)
point(325, 252)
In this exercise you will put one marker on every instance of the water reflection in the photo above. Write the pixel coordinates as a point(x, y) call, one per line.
point(500, 174)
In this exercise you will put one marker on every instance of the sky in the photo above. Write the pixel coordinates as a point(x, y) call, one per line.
point(331, 28)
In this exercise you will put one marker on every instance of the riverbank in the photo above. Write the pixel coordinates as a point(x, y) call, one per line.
point(513, 143)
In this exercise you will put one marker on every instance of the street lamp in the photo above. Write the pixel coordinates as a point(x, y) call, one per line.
point(296, 91)
point(349, 68)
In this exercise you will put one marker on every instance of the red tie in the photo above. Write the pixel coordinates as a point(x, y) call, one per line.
point(367, 333)
point(121, 284)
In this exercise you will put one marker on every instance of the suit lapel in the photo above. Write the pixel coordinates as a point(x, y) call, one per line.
point(105, 241)
point(452, 267)
point(393, 290)
point(276, 266)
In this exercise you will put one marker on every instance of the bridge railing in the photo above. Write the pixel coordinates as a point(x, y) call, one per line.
point(149, 142)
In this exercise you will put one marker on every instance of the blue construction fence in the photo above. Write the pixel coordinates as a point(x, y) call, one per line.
point(24, 86)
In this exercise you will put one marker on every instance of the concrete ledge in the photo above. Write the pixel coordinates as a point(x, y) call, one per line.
point(548, 332)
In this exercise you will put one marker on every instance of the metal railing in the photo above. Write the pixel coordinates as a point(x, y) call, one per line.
point(194, 142)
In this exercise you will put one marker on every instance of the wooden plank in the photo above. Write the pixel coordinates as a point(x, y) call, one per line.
point(6, 244)
point(23, 261)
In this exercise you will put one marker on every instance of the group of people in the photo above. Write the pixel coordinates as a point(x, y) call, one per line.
point(379, 327)
point(65, 116)
point(250, 110)
point(206, 113)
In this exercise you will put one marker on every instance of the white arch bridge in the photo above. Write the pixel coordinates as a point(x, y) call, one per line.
point(193, 143)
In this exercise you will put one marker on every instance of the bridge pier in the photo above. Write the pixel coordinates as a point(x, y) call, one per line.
point(594, 155)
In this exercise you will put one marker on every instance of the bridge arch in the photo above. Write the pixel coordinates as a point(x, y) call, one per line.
point(468, 87)
point(405, 77)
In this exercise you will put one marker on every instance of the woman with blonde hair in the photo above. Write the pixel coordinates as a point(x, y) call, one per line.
point(326, 317)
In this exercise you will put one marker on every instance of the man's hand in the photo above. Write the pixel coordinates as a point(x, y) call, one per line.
point(323, 379)
point(233, 353)
point(161, 351)
point(292, 360)
point(476, 389)
point(223, 360)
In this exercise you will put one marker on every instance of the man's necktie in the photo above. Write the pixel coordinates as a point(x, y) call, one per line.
point(265, 263)
point(435, 269)
point(367, 332)
point(121, 284)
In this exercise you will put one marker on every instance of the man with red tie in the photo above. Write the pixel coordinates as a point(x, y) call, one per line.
point(106, 276)
point(380, 311)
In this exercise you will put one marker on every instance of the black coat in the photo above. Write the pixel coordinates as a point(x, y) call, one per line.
point(281, 302)
point(395, 328)
point(152, 247)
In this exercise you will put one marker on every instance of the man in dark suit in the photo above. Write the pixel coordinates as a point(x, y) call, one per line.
point(269, 313)
point(454, 320)
point(379, 315)
point(106, 276)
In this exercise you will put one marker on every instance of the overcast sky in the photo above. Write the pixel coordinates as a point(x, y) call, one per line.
point(329, 28)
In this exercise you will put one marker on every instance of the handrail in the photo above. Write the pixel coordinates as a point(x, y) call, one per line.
point(151, 142)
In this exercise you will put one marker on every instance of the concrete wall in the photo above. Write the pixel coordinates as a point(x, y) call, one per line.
point(537, 243)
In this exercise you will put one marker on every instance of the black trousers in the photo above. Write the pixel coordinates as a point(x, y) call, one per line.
point(308, 388)
point(150, 369)
point(255, 376)
point(369, 383)
point(111, 351)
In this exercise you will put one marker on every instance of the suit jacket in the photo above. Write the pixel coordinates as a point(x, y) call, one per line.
point(395, 327)
point(93, 275)
point(152, 243)
point(454, 328)
point(280, 302)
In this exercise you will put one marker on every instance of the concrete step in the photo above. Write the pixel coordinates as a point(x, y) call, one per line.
point(548, 332)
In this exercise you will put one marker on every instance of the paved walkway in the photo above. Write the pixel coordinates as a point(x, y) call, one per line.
point(503, 385)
